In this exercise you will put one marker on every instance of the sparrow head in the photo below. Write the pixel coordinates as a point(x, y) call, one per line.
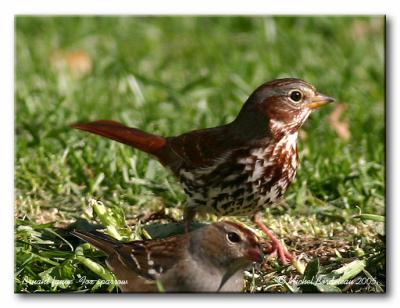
point(226, 242)
point(284, 103)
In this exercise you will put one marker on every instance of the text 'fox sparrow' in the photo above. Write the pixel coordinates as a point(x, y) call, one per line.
point(238, 168)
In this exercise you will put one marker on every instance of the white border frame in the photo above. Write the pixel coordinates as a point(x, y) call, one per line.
point(200, 7)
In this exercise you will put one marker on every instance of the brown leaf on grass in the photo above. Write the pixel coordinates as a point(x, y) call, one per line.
point(363, 29)
point(78, 63)
point(341, 127)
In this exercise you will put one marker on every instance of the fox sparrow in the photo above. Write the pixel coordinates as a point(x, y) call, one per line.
point(238, 168)
point(209, 259)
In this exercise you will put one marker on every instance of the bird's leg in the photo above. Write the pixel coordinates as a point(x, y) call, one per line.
point(188, 217)
point(283, 254)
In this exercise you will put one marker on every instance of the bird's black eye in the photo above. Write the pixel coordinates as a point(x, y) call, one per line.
point(233, 237)
point(296, 96)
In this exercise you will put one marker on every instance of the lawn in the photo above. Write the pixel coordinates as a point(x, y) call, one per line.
point(169, 75)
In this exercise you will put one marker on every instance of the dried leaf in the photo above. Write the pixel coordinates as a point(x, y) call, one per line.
point(78, 63)
point(363, 29)
point(341, 127)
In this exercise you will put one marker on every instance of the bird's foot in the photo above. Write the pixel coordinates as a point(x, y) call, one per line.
point(277, 247)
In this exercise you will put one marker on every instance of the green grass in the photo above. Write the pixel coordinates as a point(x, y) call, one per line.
point(172, 74)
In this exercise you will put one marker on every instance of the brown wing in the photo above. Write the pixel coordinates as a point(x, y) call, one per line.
point(146, 259)
point(129, 280)
point(202, 148)
point(151, 258)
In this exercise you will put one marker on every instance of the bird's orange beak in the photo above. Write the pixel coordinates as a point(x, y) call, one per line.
point(320, 100)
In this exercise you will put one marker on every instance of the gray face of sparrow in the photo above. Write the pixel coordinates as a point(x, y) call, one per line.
point(227, 243)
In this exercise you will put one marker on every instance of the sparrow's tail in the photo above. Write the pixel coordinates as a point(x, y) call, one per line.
point(101, 241)
point(136, 138)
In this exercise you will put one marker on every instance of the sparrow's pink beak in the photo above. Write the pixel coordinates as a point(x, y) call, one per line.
point(255, 255)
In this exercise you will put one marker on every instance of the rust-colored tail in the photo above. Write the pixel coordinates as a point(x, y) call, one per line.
point(146, 142)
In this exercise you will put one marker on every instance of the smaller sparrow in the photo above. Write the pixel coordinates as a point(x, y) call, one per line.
point(209, 259)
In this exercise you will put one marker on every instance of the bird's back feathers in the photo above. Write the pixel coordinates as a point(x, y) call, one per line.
point(146, 258)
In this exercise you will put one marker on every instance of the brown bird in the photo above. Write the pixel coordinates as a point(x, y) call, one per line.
point(238, 168)
point(209, 259)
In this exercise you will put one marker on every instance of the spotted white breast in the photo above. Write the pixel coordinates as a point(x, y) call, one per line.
point(245, 181)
